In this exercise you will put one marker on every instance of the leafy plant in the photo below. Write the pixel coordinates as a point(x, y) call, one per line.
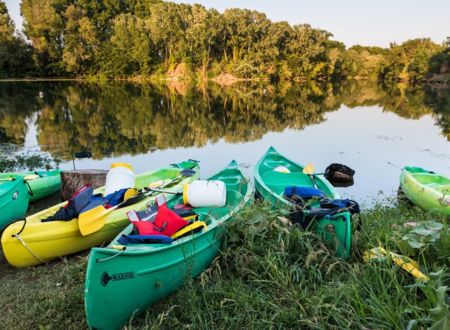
point(421, 236)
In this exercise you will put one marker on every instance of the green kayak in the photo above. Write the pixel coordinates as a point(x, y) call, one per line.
point(270, 185)
point(426, 189)
point(41, 183)
point(124, 281)
point(13, 199)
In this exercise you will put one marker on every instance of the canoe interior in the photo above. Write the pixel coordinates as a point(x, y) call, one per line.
point(270, 184)
point(159, 268)
point(277, 181)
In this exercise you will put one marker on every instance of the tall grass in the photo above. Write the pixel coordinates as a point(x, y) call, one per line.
point(269, 275)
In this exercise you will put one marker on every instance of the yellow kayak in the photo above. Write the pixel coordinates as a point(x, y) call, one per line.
point(32, 242)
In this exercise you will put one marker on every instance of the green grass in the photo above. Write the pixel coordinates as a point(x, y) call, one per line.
point(268, 276)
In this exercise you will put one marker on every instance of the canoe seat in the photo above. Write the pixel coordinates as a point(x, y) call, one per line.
point(283, 179)
point(277, 181)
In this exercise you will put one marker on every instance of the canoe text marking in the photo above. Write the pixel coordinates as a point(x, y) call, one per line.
point(116, 277)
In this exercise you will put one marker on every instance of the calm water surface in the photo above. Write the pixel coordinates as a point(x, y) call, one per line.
point(358, 124)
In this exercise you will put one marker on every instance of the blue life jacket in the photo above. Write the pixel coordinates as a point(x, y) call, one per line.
point(144, 239)
point(304, 192)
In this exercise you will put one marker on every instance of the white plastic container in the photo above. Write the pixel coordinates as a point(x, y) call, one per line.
point(204, 193)
point(121, 175)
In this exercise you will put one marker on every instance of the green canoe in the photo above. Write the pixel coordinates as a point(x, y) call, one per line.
point(121, 283)
point(270, 186)
point(13, 199)
point(426, 189)
point(41, 183)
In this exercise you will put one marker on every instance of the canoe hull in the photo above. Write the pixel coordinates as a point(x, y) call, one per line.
point(13, 201)
point(428, 190)
point(46, 241)
point(145, 273)
point(48, 183)
point(270, 187)
point(164, 272)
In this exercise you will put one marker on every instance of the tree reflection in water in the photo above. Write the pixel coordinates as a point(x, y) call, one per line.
point(123, 118)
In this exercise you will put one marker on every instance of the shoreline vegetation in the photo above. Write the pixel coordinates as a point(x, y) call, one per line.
point(268, 275)
point(139, 41)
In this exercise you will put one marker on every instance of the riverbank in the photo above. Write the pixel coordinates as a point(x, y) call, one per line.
point(268, 276)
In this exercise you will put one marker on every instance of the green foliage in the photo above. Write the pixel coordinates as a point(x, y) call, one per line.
point(80, 42)
point(409, 62)
point(15, 60)
point(44, 26)
point(137, 38)
point(423, 235)
point(133, 37)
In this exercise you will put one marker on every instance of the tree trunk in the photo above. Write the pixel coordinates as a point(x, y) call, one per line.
point(71, 181)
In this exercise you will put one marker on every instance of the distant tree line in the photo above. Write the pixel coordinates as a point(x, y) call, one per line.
point(143, 38)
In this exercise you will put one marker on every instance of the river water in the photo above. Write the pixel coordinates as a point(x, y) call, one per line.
point(370, 129)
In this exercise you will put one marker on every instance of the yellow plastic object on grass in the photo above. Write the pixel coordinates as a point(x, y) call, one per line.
point(406, 263)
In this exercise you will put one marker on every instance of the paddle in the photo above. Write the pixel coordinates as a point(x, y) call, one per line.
point(164, 191)
point(93, 220)
point(309, 170)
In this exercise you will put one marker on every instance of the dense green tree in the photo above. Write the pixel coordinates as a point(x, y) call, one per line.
point(440, 63)
point(44, 26)
point(409, 62)
point(128, 38)
point(80, 41)
point(15, 54)
point(130, 50)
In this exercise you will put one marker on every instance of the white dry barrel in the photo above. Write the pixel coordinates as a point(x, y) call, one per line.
point(205, 193)
point(121, 175)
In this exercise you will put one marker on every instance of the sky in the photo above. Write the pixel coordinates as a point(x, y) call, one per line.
point(364, 22)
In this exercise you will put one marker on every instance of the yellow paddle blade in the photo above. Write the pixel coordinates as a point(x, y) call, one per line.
point(309, 169)
point(92, 220)
point(30, 177)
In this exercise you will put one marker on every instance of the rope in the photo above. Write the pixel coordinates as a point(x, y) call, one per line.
point(113, 256)
point(28, 248)
point(30, 191)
